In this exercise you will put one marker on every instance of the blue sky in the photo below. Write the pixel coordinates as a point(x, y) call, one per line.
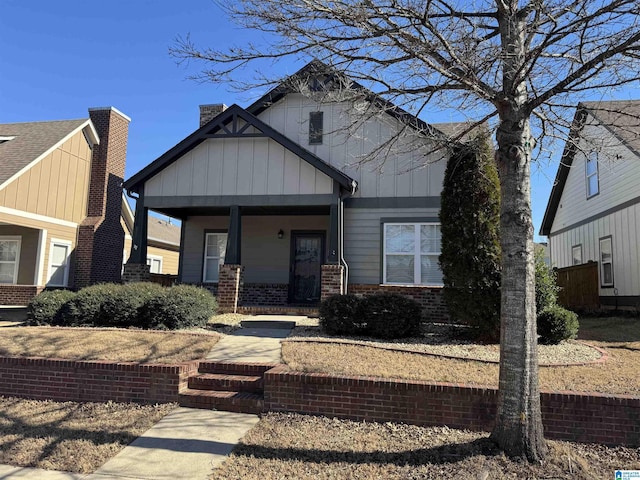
point(61, 57)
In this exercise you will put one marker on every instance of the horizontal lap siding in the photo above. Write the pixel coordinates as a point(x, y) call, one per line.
point(362, 239)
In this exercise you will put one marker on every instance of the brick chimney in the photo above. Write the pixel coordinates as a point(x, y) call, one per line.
point(100, 235)
point(208, 112)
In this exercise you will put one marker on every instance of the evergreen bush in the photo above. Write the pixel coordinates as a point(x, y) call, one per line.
point(85, 308)
point(180, 306)
point(546, 287)
point(556, 324)
point(342, 315)
point(45, 308)
point(470, 223)
point(122, 307)
point(390, 315)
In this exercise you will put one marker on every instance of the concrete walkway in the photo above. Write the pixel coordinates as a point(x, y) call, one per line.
point(188, 443)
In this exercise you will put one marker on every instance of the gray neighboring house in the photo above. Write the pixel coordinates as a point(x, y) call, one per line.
point(278, 211)
point(593, 212)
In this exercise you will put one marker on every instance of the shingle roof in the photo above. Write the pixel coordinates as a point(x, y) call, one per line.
point(32, 139)
point(620, 117)
point(163, 231)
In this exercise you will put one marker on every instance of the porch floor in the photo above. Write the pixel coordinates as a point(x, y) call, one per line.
point(304, 310)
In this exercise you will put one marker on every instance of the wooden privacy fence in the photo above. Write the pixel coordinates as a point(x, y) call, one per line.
point(579, 286)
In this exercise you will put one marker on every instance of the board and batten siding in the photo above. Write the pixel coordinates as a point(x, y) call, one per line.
point(57, 186)
point(623, 227)
point(362, 247)
point(265, 257)
point(239, 166)
point(409, 170)
point(618, 178)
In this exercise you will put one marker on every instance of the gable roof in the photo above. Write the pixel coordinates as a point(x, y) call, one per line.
point(226, 123)
point(443, 131)
point(32, 141)
point(620, 117)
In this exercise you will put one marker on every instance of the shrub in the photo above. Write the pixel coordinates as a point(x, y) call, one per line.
point(390, 315)
point(180, 306)
point(121, 308)
point(546, 287)
point(342, 315)
point(85, 307)
point(470, 223)
point(44, 309)
point(556, 324)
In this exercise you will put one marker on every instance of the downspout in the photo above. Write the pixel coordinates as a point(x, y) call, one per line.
point(343, 262)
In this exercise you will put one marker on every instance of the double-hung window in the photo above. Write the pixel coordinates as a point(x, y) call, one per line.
point(215, 246)
point(606, 262)
point(576, 254)
point(9, 258)
point(155, 263)
point(592, 175)
point(59, 263)
point(410, 254)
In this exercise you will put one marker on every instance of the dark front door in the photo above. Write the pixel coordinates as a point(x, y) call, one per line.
point(307, 252)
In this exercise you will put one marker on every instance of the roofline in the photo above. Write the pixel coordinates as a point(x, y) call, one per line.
point(200, 135)
point(86, 124)
point(127, 214)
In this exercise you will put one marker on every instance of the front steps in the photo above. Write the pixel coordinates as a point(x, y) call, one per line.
point(227, 386)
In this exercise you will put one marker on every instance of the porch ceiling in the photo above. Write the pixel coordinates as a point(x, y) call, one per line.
point(182, 213)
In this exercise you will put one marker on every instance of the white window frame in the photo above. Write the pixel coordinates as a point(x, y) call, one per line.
point(417, 264)
point(205, 257)
point(603, 242)
point(64, 243)
point(16, 266)
point(592, 158)
point(574, 256)
point(151, 259)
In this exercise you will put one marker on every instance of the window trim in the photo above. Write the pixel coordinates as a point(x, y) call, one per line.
point(52, 243)
point(594, 157)
point(416, 253)
point(579, 245)
point(16, 267)
point(315, 135)
point(608, 238)
point(204, 253)
point(155, 257)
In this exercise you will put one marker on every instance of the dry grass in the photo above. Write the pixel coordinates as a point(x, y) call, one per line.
point(303, 447)
point(69, 436)
point(105, 344)
point(619, 375)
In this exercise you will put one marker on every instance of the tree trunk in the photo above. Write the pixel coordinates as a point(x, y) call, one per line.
point(518, 427)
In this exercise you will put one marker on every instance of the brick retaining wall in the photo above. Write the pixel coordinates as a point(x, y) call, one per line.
point(93, 381)
point(577, 417)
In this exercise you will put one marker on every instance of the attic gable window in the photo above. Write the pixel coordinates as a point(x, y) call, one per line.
point(316, 120)
point(592, 175)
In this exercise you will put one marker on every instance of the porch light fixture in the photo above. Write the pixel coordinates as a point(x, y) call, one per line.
point(280, 234)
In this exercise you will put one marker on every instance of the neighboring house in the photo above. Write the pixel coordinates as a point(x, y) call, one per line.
point(163, 242)
point(60, 195)
point(593, 213)
point(277, 210)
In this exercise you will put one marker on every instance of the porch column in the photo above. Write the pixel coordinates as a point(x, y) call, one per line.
point(136, 268)
point(333, 254)
point(332, 276)
point(230, 274)
point(232, 255)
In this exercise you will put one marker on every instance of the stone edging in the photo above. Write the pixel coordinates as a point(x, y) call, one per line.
point(604, 355)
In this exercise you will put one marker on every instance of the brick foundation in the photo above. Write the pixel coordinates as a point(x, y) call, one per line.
point(332, 281)
point(264, 294)
point(578, 417)
point(18, 294)
point(429, 297)
point(135, 272)
point(229, 281)
point(93, 381)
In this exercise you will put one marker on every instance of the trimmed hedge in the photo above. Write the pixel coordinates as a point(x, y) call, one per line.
point(45, 308)
point(342, 315)
point(142, 305)
point(384, 315)
point(180, 306)
point(556, 324)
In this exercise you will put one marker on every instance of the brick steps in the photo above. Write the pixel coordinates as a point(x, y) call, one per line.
point(227, 386)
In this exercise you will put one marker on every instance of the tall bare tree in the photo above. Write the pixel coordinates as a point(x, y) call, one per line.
point(517, 63)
